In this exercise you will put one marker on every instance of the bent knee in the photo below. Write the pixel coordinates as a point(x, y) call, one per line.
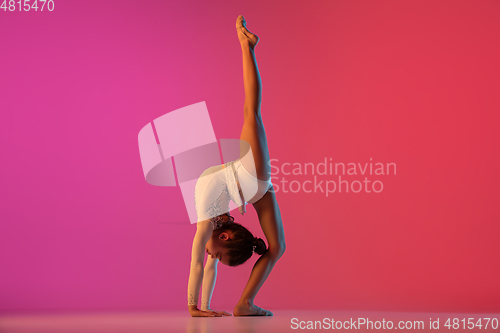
point(277, 251)
point(282, 249)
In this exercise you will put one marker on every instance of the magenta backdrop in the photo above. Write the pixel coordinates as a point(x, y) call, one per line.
point(413, 83)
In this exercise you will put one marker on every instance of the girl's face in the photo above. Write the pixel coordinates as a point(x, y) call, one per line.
point(215, 248)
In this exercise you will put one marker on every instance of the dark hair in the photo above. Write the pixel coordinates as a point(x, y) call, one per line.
point(241, 244)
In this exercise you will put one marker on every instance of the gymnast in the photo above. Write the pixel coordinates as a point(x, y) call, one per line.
point(217, 234)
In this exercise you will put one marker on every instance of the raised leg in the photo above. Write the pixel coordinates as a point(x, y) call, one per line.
point(253, 130)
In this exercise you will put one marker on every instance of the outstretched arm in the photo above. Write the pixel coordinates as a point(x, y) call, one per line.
point(209, 278)
point(203, 233)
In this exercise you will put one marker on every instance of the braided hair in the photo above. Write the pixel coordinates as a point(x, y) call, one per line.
point(242, 243)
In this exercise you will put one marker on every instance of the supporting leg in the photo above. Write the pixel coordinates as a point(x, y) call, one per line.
point(270, 220)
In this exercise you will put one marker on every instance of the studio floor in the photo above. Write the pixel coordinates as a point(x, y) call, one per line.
point(282, 321)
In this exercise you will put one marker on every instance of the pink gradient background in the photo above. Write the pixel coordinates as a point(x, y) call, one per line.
point(410, 82)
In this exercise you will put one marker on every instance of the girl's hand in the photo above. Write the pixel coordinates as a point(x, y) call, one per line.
point(195, 312)
point(222, 313)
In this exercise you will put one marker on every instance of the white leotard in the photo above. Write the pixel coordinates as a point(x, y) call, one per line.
point(216, 187)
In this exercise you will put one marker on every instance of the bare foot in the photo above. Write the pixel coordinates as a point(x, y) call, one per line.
point(243, 33)
point(250, 310)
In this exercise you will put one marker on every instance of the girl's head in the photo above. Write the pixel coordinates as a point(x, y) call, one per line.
point(233, 244)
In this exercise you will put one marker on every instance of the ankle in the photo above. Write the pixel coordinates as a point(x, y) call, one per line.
point(245, 44)
point(245, 303)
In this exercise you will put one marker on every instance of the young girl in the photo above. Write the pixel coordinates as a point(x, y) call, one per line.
point(218, 235)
